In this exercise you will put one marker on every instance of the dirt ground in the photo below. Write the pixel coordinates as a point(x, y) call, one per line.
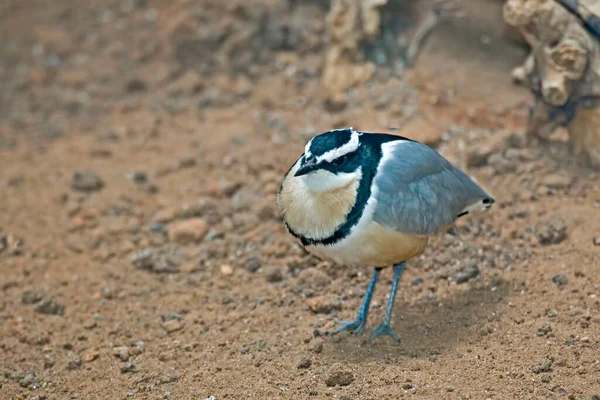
point(142, 144)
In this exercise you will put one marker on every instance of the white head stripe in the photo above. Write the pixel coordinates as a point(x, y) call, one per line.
point(350, 146)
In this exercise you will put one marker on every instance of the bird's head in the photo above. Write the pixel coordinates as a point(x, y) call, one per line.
point(331, 160)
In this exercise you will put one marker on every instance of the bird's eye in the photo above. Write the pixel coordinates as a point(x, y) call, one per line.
point(339, 161)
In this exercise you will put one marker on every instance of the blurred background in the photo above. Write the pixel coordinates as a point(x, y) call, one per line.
point(142, 144)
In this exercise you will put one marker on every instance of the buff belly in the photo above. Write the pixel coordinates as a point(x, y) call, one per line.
point(374, 246)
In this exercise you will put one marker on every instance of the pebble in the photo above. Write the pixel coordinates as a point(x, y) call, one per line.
point(30, 381)
point(188, 231)
point(164, 259)
point(172, 325)
point(560, 280)
point(557, 181)
point(305, 363)
point(339, 375)
point(226, 269)
point(544, 366)
point(121, 352)
point(50, 307)
point(273, 275)
point(597, 241)
point(31, 297)
point(165, 215)
point(253, 264)
point(552, 231)
point(323, 304)
point(90, 355)
point(468, 272)
point(87, 181)
point(316, 347)
point(128, 368)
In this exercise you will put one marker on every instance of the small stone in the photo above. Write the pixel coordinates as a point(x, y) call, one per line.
point(31, 297)
point(86, 181)
point(188, 231)
point(560, 280)
point(30, 381)
point(544, 330)
point(74, 364)
point(597, 241)
point(165, 215)
point(90, 355)
point(339, 375)
point(121, 352)
point(416, 281)
point(544, 366)
point(128, 368)
point(407, 385)
point(50, 307)
point(273, 275)
point(252, 264)
point(552, 231)
point(316, 347)
point(226, 269)
point(557, 181)
point(305, 363)
point(470, 271)
point(90, 324)
point(323, 304)
point(164, 259)
point(546, 378)
point(173, 325)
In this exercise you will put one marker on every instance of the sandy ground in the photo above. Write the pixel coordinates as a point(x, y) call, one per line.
point(142, 144)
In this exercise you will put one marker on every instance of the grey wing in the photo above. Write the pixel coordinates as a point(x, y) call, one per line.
point(419, 192)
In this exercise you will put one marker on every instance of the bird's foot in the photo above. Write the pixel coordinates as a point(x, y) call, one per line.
point(355, 327)
point(384, 329)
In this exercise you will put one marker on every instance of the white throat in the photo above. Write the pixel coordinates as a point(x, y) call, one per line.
point(324, 181)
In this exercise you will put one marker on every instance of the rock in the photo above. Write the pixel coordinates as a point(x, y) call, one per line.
point(164, 259)
point(74, 364)
point(31, 297)
point(560, 280)
point(323, 304)
point(226, 269)
point(50, 307)
point(305, 363)
point(552, 231)
point(557, 181)
point(469, 271)
point(90, 323)
point(86, 181)
point(252, 264)
point(545, 366)
point(121, 352)
point(90, 355)
point(597, 241)
point(30, 381)
point(165, 215)
point(273, 275)
point(173, 325)
point(188, 231)
point(339, 375)
point(128, 368)
point(316, 347)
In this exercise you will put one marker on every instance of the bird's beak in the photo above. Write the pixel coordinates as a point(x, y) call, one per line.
point(306, 168)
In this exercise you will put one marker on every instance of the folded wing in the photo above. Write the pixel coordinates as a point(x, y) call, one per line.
point(419, 192)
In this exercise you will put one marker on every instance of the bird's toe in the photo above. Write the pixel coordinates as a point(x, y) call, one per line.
point(384, 329)
point(356, 327)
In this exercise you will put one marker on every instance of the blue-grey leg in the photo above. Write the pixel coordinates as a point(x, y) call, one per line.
point(358, 325)
point(384, 328)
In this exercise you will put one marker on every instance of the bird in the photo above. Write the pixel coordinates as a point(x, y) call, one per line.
point(365, 199)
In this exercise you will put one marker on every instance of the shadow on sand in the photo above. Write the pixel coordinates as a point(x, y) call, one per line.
point(425, 329)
